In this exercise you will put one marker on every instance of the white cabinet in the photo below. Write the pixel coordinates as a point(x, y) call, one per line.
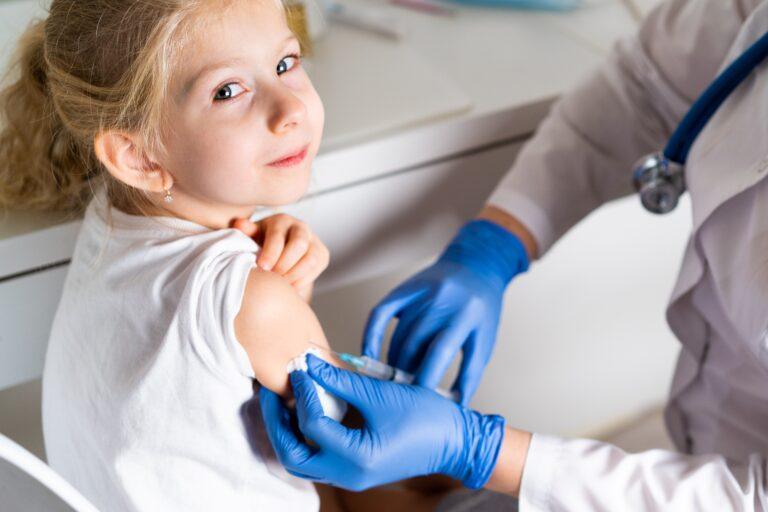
point(27, 306)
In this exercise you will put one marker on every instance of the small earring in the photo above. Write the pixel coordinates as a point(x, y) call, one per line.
point(168, 196)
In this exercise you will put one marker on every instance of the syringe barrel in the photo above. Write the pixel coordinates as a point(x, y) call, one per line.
point(402, 377)
point(377, 369)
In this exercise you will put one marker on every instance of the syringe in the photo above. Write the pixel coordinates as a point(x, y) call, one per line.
point(382, 371)
point(378, 370)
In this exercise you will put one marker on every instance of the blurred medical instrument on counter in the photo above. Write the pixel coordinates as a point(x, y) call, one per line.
point(308, 18)
point(372, 19)
point(374, 368)
point(427, 6)
point(545, 5)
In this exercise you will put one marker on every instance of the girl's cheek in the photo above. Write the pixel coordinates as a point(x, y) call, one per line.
point(304, 89)
point(320, 111)
point(298, 80)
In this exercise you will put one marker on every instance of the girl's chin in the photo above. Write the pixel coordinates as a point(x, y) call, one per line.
point(284, 197)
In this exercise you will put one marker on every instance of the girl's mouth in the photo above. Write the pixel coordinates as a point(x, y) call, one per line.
point(291, 160)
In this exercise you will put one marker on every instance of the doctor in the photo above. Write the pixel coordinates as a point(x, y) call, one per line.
point(580, 158)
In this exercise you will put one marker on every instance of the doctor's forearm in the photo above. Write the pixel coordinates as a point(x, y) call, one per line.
point(514, 226)
point(508, 473)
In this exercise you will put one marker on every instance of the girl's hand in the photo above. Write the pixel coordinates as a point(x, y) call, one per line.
point(288, 248)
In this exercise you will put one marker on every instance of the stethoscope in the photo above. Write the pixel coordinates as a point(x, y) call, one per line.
point(659, 178)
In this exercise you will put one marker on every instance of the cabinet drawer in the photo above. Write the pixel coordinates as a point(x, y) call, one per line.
point(27, 306)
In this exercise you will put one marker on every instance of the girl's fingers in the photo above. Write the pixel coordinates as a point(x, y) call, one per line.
point(272, 248)
point(310, 266)
point(298, 244)
point(289, 248)
point(248, 227)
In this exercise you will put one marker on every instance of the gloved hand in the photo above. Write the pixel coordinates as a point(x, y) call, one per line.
point(409, 431)
point(453, 304)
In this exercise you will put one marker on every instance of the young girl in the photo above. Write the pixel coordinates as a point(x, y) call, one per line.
point(174, 118)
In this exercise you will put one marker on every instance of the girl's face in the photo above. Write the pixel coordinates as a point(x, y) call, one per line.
point(244, 122)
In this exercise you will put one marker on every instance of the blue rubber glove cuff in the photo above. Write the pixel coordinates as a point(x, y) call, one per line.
point(484, 438)
point(488, 249)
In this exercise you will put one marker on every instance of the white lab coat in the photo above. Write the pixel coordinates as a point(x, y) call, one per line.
point(581, 157)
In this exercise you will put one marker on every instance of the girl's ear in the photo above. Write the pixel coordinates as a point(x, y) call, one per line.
point(121, 156)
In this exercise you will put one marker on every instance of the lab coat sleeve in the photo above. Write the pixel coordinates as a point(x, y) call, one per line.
point(583, 153)
point(575, 475)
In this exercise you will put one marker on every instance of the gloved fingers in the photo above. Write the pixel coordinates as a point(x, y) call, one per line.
point(351, 387)
point(472, 366)
point(313, 422)
point(411, 340)
point(382, 314)
point(441, 353)
point(290, 450)
point(407, 320)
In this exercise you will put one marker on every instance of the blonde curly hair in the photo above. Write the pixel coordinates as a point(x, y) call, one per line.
point(88, 67)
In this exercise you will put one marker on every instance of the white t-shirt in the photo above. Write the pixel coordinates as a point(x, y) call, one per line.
point(148, 398)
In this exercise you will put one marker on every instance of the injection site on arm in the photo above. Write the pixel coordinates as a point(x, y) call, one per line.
point(332, 406)
point(274, 326)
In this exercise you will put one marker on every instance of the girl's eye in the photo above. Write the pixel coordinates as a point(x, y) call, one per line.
point(287, 63)
point(229, 91)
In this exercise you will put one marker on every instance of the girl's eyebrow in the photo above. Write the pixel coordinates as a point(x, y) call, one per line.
point(290, 39)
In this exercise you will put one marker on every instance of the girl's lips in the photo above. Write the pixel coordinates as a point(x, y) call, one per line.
point(291, 160)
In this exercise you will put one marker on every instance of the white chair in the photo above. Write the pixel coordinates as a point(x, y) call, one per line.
point(27, 484)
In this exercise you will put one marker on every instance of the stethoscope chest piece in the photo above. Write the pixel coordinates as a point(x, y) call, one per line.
point(659, 178)
point(660, 183)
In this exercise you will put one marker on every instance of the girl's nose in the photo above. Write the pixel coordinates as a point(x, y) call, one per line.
point(287, 112)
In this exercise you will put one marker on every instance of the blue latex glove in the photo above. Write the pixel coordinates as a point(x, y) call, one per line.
point(453, 304)
point(409, 431)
